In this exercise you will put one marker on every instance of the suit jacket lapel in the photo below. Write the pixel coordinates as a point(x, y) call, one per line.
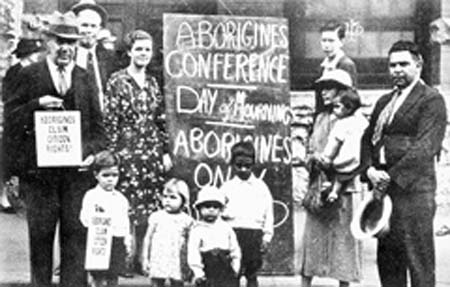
point(409, 102)
point(47, 78)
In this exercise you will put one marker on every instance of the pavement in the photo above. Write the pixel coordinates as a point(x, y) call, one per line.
point(15, 271)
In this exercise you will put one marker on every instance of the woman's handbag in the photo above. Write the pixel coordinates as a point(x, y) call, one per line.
point(315, 200)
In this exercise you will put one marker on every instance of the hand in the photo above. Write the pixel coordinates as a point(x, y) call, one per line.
point(199, 281)
point(88, 160)
point(379, 178)
point(50, 102)
point(264, 246)
point(127, 241)
point(145, 266)
point(167, 162)
point(332, 196)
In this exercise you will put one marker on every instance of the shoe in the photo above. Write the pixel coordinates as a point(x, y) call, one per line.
point(126, 274)
point(444, 230)
point(9, 209)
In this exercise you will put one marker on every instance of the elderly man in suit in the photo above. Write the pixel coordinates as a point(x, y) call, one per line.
point(400, 147)
point(95, 58)
point(55, 194)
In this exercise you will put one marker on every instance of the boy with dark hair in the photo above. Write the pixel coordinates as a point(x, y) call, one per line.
point(253, 223)
point(332, 41)
point(105, 200)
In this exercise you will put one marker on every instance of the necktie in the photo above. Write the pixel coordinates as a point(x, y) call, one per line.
point(90, 64)
point(384, 118)
point(62, 82)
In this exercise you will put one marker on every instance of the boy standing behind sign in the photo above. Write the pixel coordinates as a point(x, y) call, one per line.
point(253, 223)
point(105, 201)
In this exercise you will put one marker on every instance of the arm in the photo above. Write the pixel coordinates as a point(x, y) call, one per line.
point(235, 252)
point(86, 210)
point(268, 218)
point(194, 257)
point(112, 110)
point(147, 241)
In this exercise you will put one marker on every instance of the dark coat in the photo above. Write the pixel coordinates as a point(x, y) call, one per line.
point(35, 82)
point(347, 64)
point(411, 140)
point(106, 63)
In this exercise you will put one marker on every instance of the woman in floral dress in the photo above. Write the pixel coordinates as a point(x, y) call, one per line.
point(134, 107)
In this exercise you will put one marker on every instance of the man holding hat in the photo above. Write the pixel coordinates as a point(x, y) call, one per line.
point(97, 60)
point(55, 194)
point(399, 147)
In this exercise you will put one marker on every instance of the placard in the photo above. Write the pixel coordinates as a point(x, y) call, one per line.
point(226, 80)
point(58, 138)
point(99, 242)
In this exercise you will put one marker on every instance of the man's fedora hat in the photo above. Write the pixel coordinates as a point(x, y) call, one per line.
point(63, 26)
point(90, 4)
point(371, 218)
point(335, 76)
point(27, 47)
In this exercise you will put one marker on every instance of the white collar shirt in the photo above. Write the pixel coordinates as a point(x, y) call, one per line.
point(54, 73)
point(250, 205)
point(328, 65)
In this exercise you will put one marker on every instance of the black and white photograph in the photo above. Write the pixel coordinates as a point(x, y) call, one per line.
point(224, 143)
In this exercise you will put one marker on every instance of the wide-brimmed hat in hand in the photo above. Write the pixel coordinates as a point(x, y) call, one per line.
point(337, 76)
point(371, 218)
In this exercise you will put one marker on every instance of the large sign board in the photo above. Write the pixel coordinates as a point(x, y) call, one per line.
point(227, 80)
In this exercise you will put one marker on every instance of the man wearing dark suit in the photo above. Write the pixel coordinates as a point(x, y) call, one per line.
point(97, 60)
point(55, 194)
point(331, 41)
point(399, 148)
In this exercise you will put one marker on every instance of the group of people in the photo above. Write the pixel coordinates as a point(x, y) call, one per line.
point(394, 152)
point(124, 143)
point(226, 241)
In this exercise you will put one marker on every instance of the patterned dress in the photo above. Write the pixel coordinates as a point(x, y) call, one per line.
point(168, 245)
point(135, 129)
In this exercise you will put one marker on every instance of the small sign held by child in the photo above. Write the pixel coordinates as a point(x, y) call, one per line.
point(99, 240)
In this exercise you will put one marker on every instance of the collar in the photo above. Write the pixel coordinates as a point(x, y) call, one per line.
point(98, 188)
point(54, 68)
point(328, 63)
point(408, 89)
point(249, 180)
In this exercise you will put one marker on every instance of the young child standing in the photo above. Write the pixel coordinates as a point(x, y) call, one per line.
point(105, 200)
point(249, 210)
point(341, 153)
point(164, 251)
point(213, 251)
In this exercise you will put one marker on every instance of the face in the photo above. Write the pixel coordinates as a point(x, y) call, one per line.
point(339, 110)
point(330, 42)
point(89, 24)
point(210, 211)
point(61, 51)
point(403, 68)
point(242, 166)
point(328, 95)
point(107, 178)
point(171, 200)
point(141, 52)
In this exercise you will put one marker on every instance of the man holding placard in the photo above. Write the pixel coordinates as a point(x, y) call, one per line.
point(54, 97)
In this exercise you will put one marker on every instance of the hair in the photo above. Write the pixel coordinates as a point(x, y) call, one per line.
point(135, 35)
point(319, 104)
point(105, 159)
point(334, 26)
point(409, 46)
point(242, 148)
point(181, 187)
point(350, 99)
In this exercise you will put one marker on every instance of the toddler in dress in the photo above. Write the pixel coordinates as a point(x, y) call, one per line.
point(164, 251)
